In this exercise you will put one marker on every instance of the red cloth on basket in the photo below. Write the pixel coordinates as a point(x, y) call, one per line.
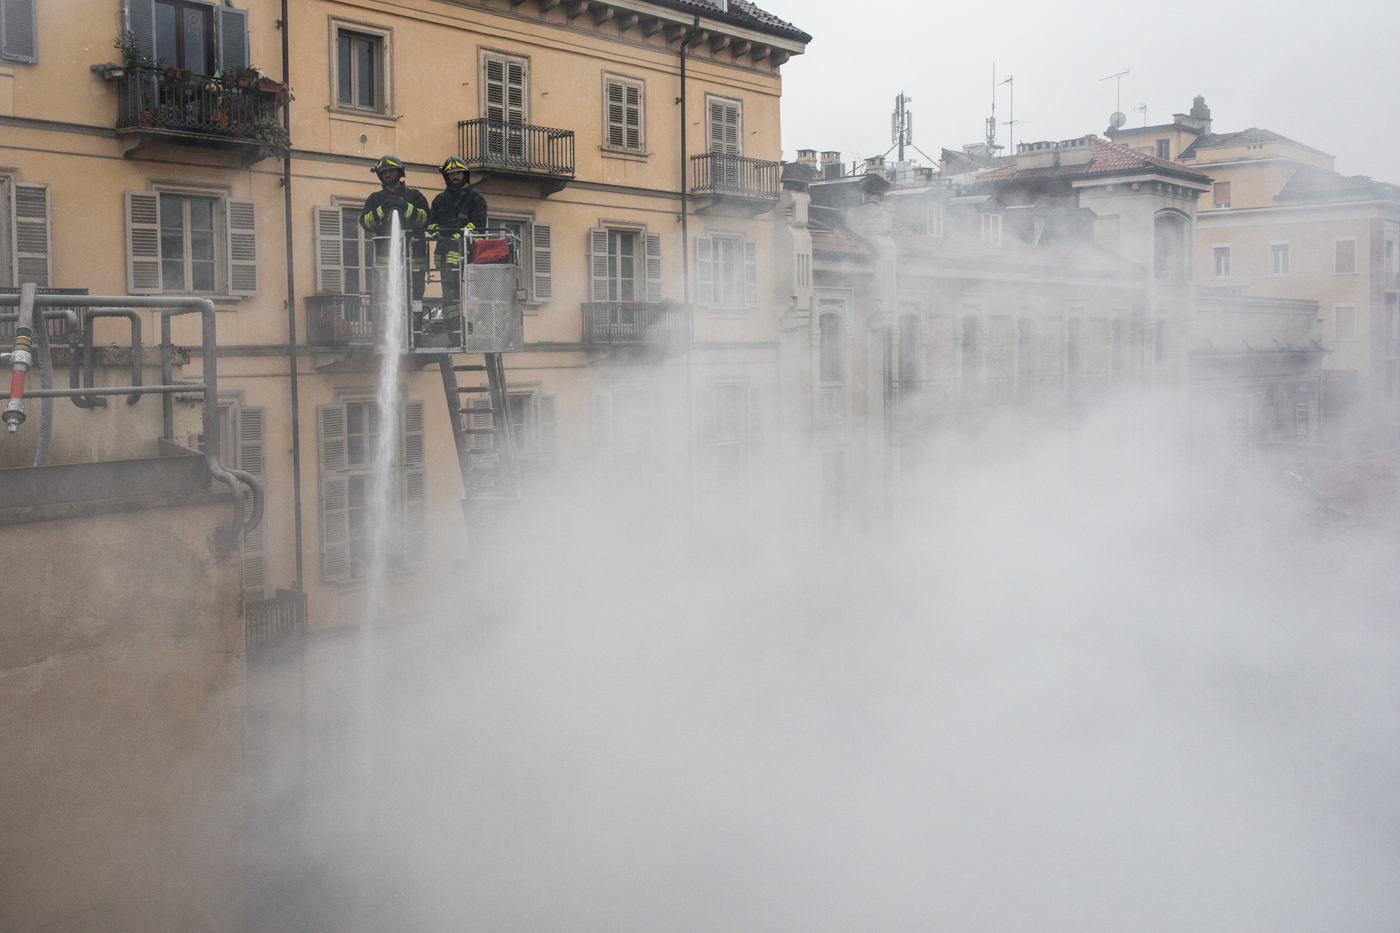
point(490, 251)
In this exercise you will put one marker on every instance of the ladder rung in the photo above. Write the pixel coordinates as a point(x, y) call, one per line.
point(469, 368)
point(473, 388)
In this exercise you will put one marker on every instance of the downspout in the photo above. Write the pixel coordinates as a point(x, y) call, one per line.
point(685, 267)
point(291, 298)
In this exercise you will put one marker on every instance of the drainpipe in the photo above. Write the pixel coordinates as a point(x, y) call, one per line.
point(685, 268)
point(291, 298)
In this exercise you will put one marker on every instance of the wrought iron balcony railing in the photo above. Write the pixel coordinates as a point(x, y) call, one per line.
point(516, 148)
point(608, 323)
point(736, 176)
point(339, 321)
point(176, 103)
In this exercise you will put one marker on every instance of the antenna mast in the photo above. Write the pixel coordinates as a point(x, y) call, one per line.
point(1011, 124)
point(1118, 105)
point(902, 123)
point(992, 120)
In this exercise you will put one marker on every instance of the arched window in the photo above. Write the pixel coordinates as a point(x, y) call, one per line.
point(1169, 247)
point(830, 365)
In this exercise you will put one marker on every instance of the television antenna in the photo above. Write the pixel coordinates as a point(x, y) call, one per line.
point(1011, 124)
point(1142, 109)
point(1117, 120)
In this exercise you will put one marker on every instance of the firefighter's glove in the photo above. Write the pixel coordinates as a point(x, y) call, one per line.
point(396, 204)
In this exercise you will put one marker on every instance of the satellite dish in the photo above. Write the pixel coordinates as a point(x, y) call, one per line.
point(1117, 120)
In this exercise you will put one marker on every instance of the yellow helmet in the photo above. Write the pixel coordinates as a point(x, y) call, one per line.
point(388, 162)
point(454, 164)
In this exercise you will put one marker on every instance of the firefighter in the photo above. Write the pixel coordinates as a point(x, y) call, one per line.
point(456, 214)
point(412, 208)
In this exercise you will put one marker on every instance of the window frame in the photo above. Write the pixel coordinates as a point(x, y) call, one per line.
point(384, 92)
point(611, 79)
point(737, 299)
point(1336, 322)
point(1286, 252)
point(1217, 250)
point(1215, 193)
point(1163, 144)
point(8, 51)
point(991, 228)
point(1336, 256)
point(211, 37)
point(217, 211)
point(710, 101)
point(484, 56)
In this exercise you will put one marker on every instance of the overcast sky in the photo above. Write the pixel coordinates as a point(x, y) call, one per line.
point(1320, 73)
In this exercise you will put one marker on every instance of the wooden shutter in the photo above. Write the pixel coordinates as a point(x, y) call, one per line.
point(242, 217)
point(505, 90)
point(750, 274)
point(542, 257)
point(548, 432)
point(623, 113)
point(704, 271)
point(335, 494)
point(602, 421)
point(248, 441)
point(143, 243)
point(233, 38)
point(330, 264)
point(598, 262)
point(479, 416)
point(415, 489)
point(726, 127)
point(633, 105)
point(140, 20)
point(19, 38)
point(653, 248)
point(32, 235)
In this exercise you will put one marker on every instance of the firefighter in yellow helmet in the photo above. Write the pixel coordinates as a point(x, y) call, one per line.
point(412, 208)
point(456, 214)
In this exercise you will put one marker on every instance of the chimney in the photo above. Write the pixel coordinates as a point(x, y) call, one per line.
point(1201, 112)
point(831, 164)
point(807, 158)
point(875, 165)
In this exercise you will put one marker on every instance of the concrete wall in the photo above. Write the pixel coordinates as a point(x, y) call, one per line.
point(121, 716)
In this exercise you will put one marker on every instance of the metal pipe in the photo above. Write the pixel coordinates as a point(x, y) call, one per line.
point(20, 357)
point(168, 307)
point(41, 449)
point(167, 376)
point(117, 390)
point(89, 356)
point(291, 294)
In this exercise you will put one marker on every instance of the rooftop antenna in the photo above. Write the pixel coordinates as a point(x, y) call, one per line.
point(1142, 109)
point(902, 123)
point(1011, 124)
point(992, 120)
point(1117, 120)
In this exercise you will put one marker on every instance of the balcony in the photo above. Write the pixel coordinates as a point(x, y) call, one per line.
point(518, 152)
point(339, 321)
point(174, 106)
point(632, 323)
point(734, 186)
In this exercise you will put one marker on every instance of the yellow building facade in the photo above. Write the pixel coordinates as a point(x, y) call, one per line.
point(647, 239)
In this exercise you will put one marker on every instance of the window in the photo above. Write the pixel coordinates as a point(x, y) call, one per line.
point(1222, 194)
point(908, 359)
point(186, 244)
point(627, 430)
point(1073, 347)
point(344, 251)
point(991, 229)
point(18, 31)
point(622, 114)
point(1220, 261)
point(935, 218)
point(181, 243)
point(969, 347)
point(203, 37)
point(359, 70)
point(619, 270)
point(349, 435)
point(1164, 148)
point(726, 272)
point(1344, 322)
point(505, 91)
point(1278, 259)
point(25, 253)
point(728, 429)
point(1390, 265)
point(1345, 251)
point(830, 358)
point(1169, 247)
point(533, 430)
point(725, 131)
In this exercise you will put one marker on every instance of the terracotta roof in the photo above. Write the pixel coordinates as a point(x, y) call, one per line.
point(1109, 158)
point(743, 13)
point(833, 241)
point(1253, 136)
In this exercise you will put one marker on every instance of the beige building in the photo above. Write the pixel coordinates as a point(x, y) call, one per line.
point(1280, 222)
point(162, 167)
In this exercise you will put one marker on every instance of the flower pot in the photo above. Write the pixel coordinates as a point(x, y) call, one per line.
point(226, 80)
point(243, 82)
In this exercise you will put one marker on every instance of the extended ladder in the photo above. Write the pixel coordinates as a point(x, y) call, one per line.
point(481, 431)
